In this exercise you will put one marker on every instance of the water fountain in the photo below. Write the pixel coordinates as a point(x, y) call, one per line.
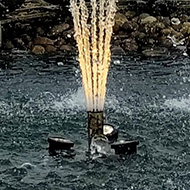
point(93, 31)
point(93, 25)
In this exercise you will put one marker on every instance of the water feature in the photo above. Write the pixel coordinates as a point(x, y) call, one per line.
point(93, 31)
point(148, 99)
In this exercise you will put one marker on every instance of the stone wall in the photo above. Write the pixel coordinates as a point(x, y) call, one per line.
point(148, 27)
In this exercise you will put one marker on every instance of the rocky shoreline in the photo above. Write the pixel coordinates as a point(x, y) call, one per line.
point(50, 30)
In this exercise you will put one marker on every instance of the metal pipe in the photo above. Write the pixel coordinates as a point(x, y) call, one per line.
point(95, 125)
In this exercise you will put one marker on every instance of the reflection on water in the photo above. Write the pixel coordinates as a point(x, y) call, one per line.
point(147, 99)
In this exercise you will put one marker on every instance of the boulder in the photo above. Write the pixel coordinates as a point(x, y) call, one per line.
point(40, 31)
point(127, 26)
point(50, 49)
point(117, 50)
point(165, 42)
point(120, 19)
point(58, 29)
point(184, 18)
point(130, 45)
point(66, 48)
point(166, 21)
point(38, 49)
point(60, 42)
point(43, 41)
point(149, 19)
point(8, 45)
point(130, 14)
point(19, 44)
point(166, 31)
point(185, 29)
point(154, 52)
point(143, 16)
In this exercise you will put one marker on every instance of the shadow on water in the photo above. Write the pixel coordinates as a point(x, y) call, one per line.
point(148, 99)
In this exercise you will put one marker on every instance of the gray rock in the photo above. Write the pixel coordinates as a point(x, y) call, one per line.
point(157, 52)
point(116, 50)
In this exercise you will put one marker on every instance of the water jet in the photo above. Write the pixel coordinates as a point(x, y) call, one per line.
point(93, 27)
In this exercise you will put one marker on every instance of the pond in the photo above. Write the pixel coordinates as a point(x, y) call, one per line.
point(148, 99)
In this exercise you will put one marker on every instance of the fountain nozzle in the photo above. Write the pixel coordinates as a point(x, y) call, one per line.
point(95, 125)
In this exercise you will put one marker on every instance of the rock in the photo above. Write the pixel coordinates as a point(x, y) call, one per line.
point(116, 50)
point(130, 14)
point(130, 45)
point(40, 31)
point(127, 26)
point(166, 31)
point(58, 29)
point(135, 34)
point(116, 43)
point(157, 52)
point(60, 42)
point(19, 44)
point(166, 21)
point(176, 24)
point(184, 18)
point(37, 49)
point(120, 19)
point(116, 28)
point(43, 41)
point(50, 49)
point(149, 19)
point(141, 37)
point(165, 42)
point(135, 20)
point(175, 21)
point(65, 48)
point(143, 16)
point(160, 25)
point(26, 38)
point(185, 29)
point(68, 34)
point(8, 45)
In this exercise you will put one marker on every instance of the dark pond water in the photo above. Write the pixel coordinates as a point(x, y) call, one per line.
point(148, 99)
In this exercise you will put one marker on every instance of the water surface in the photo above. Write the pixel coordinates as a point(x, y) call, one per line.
point(148, 99)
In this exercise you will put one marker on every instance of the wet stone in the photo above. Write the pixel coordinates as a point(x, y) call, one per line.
point(120, 19)
point(58, 29)
point(65, 48)
point(43, 41)
point(117, 50)
point(50, 48)
point(37, 49)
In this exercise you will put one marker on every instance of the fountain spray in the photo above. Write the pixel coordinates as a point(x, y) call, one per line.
point(93, 25)
point(93, 30)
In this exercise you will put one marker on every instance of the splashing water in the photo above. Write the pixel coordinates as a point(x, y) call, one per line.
point(93, 30)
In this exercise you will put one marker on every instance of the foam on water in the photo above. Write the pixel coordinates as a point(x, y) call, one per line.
point(182, 104)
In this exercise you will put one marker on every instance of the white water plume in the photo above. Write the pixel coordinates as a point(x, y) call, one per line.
point(93, 30)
